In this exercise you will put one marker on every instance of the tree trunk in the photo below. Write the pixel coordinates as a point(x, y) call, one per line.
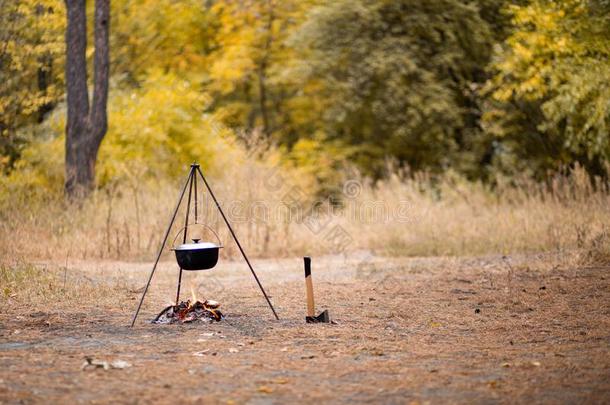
point(262, 72)
point(45, 75)
point(85, 127)
point(45, 70)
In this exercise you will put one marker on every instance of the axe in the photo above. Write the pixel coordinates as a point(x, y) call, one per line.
point(311, 317)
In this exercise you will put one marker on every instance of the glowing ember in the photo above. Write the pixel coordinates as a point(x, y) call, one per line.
point(190, 311)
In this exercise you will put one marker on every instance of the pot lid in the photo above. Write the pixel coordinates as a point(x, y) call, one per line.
point(197, 246)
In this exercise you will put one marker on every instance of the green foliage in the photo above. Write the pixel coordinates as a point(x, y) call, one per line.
point(552, 89)
point(395, 76)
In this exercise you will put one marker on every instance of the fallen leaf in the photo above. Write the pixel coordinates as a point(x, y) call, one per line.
point(265, 389)
point(505, 365)
point(536, 363)
point(376, 352)
point(120, 364)
point(280, 381)
point(91, 363)
point(201, 353)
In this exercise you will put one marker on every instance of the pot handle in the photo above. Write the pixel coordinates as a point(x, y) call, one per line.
point(189, 225)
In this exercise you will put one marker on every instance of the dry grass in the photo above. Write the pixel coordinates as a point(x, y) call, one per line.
point(35, 286)
point(453, 217)
point(270, 209)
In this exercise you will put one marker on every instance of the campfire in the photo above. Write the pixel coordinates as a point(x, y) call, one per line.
point(190, 311)
point(192, 257)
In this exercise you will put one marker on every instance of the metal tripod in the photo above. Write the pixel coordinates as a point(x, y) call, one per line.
point(191, 183)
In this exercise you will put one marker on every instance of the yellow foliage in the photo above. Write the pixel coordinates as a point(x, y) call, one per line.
point(32, 45)
point(558, 57)
point(535, 49)
point(321, 161)
point(153, 132)
point(159, 128)
point(251, 57)
point(165, 34)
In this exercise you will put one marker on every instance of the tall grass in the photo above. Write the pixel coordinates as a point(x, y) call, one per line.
point(275, 213)
point(450, 216)
point(30, 285)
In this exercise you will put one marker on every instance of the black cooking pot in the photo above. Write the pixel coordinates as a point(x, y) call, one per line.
point(197, 255)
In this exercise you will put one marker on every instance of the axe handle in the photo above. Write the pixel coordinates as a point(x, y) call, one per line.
point(311, 309)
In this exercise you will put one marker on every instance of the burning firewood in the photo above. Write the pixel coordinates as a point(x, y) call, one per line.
point(190, 311)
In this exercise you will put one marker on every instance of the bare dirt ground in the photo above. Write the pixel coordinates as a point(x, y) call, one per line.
point(413, 330)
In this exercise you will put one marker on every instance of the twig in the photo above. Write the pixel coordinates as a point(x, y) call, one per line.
point(66, 270)
point(509, 275)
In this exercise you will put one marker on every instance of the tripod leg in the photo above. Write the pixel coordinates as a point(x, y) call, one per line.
point(186, 224)
point(195, 189)
point(237, 242)
point(171, 222)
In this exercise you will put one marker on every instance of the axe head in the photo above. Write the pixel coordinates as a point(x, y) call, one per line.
point(323, 317)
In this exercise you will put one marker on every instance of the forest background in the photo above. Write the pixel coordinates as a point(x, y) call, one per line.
point(436, 127)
